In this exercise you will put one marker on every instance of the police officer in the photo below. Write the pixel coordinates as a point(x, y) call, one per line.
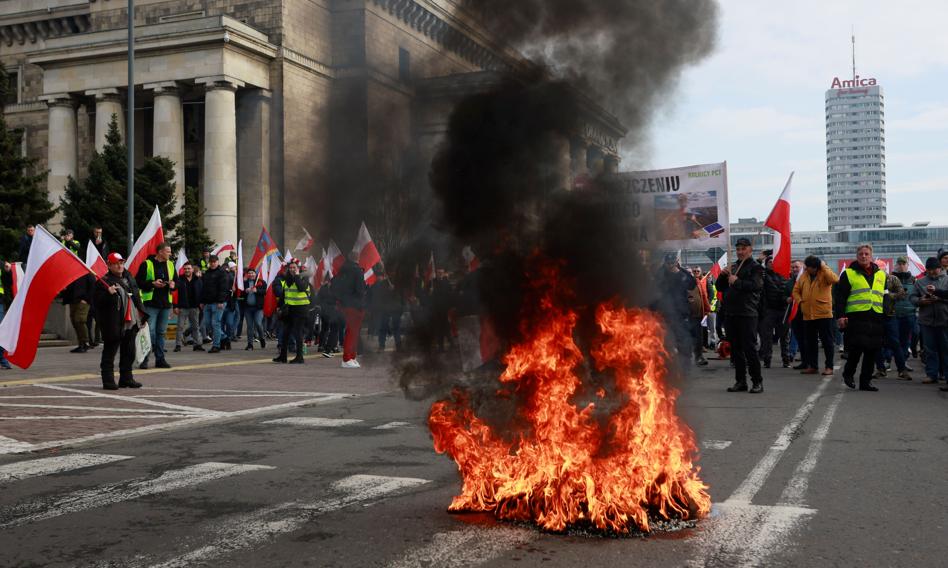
point(156, 280)
point(121, 313)
point(293, 294)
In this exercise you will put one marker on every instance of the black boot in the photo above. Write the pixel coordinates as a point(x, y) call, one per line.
point(738, 387)
point(129, 383)
point(849, 382)
point(757, 387)
point(108, 382)
point(298, 360)
point(281, 358)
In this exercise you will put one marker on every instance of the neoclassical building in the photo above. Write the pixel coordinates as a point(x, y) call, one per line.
point(255, 101)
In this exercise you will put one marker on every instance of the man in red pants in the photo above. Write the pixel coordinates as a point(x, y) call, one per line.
point(349, 288)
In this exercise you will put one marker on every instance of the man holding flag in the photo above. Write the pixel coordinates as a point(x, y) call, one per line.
point(121, 313)
point(156, 280)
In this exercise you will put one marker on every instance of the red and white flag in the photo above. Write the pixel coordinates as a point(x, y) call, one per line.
point(430, 270)
point(470, 258)
point(335, 258)
point(795, 305)
point(16, 274)
point(718, 267)
point(147, 243)
point(916, 266)
point(323, 271)
point(220, 249)
point(274, 268)
point(779, 221)
point(306, 242)
point(94, 260)
point(239, 278)
point(50, 267)
point(180, 261)
point(368, 255)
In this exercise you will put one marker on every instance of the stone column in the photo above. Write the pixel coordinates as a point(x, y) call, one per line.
point(253, 164)
point(168, 140)
point(62, 157)
point(108, 102)
point(577, 149)
point(220, 158)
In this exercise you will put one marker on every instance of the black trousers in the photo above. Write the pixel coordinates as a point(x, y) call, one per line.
point(293, 327)
point(125, 347)
point(772, 324)
point(824, 330)
point(742, 333)
point(868, 357)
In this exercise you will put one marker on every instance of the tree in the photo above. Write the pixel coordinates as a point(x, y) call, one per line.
point(192, 231)
point(101, 198)
point(23, 195)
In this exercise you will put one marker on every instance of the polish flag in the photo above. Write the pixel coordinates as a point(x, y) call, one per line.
point(368, 255)
point(719, 266)
point(795, 305)
point(180, 261)
point(323, 269)
point(430, 270)
point(916, 266)
point(239, 278)
point(470, 258)
point(94, 260)
point(310, 267)
point(269, 299)
point(335, 258)
point(16, 274)
point(225, 246)
point(50, 268)
point(147, 243)
point(306, 242)
point(779, 221)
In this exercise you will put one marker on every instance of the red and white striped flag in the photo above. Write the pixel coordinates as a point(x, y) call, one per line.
point(430, 270)
point(916, 266)
point(220, 249)
point(180, 261)
point(323, 271)
point(779, 221)
point(94, 260)
point(16, 273)
point(368, 255)
point(718, 267)
point(50, 267)
point(306, 242)
point(269, 298)
point(147, 243)
point(335, 258)
point(310, 267)
point(239, 278)
point(470, 258)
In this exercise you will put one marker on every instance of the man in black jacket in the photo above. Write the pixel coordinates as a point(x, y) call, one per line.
point(773, 315)
point(674, 284)
point(349, 288)
point(25, 241)
point(188, 307)
point(214, 293)
point(78, 296)
point(295, 298)
point(121, 312)
point(742, 285)
point(332, 320)
point(156, 280)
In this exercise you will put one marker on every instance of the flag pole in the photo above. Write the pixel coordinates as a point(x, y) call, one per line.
point(130, 138)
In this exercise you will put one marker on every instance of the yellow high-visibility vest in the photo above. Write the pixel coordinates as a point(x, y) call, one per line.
point(150, 276)
point(295, 297)
point(862, 298)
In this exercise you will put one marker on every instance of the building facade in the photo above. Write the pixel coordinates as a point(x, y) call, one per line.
point(261, 104)
point(855, 154)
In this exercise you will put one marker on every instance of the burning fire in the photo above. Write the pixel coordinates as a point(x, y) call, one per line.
point(610, 468)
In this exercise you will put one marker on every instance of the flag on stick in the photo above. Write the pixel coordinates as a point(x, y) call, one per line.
point(239, 280)
point(16, 273)
point(180, 261)
point(94, 260)
point(50, 267)
point(335, 257)
point(225, 246)
point(368, 255)
point(470, 258)
point(147, 243)
point(306, 242)
point(269, 299)
point(718, 267)
point(916, 266)
point(430, 270)
point(779, 221)
point(264, 250)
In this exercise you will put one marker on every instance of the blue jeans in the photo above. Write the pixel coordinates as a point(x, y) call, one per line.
point(907, 326)
point(935, 342)
point(3, 360)
point(254, 318)
point(157, 326)
point(229, 320)
point(212, 318)
point(891, 347)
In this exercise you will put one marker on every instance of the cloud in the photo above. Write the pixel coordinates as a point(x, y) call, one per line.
point(932, 119)
point(761, 121)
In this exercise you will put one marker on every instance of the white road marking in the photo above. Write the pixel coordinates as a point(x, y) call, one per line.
point(101, 416)
point(181, 389)
point(465, 547)
point(100, 408)
point(57, 464)
point(740, 533)
point(715, 444)
point(191, 420)
point(11, 446)
point(315, 422)
point(109, 494)
point(391, 425)
point(250, 530)
point(132, 399)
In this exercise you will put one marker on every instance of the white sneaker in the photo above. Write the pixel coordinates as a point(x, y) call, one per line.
point(351, 364)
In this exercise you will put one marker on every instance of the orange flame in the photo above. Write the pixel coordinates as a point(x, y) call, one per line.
point(571, 467)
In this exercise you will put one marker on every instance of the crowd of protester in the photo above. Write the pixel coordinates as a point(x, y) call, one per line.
point(862, 315)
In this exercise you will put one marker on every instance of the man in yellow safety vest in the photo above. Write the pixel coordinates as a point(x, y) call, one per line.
point(294, 296)
point(155, 279)
point(858, 309)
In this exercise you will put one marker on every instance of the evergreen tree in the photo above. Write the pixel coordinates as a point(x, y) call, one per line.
point(23, 195)
point(101, 198)
point(192, 230)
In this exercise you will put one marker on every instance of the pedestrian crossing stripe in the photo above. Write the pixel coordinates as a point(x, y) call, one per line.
point(315, 422)
point(57, 464)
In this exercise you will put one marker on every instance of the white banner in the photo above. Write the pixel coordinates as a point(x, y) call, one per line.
point(680, 208)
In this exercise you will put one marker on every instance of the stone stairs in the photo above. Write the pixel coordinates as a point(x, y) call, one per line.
point(52, 340)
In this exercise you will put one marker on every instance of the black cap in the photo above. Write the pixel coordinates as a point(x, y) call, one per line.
point(743, 242)
point(212, 258)
point(932, 263)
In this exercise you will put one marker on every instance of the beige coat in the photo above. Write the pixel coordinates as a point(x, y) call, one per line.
point(815, 294)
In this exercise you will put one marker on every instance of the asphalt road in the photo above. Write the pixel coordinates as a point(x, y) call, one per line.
point(808, 473)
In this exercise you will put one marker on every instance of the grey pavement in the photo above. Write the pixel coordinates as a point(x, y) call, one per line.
point(809, 473)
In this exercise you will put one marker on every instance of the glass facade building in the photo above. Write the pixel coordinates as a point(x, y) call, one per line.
point(855, 157)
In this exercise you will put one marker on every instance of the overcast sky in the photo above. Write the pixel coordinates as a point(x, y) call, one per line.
point(758, 102)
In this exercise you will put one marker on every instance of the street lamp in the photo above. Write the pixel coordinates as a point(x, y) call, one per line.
point(130, 138)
